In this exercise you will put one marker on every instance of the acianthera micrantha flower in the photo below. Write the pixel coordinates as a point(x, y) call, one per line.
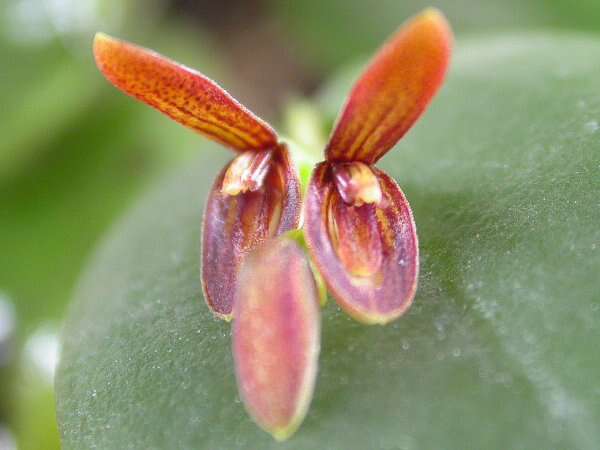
point(260, 260)
point(256, 196)
point(359, 225)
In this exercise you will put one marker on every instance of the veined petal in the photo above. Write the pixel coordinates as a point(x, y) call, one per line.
point(368, 255)
point(186, 96)
point(236, 224)
point(394, 90)
point(276, 336)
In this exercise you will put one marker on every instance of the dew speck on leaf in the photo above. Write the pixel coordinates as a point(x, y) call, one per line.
point(592, 126)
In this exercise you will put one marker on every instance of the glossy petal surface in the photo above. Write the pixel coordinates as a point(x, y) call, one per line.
point(235, 224)
point(368, 255)
point(276, 336)
point(183, 94)
point(394, 90)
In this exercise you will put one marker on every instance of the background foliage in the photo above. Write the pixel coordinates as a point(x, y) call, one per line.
point(499, 349)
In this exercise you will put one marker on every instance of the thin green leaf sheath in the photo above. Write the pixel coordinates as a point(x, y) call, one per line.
point(359, 228)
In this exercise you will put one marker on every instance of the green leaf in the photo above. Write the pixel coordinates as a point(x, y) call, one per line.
point(331, 32)
point(500, 347)
point(71, 164)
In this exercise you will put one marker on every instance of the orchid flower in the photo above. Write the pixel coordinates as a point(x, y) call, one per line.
point(256, 196)
point(359, 226)
point(359, 229)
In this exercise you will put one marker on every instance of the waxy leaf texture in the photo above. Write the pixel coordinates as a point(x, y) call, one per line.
point(499, 349)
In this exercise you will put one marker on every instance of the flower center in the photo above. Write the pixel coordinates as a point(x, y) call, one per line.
point(356, 236)
point(247, 172)
point(356, 183)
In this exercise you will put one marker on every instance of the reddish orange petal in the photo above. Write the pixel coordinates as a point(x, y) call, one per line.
point(188, 97)
point(394, 90)
point(236, 224)
point(368, 255)
point(276, 336)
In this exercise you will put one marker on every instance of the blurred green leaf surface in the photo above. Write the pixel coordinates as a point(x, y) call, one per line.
point(500, 347)
point(331, 32)
point(74, 153)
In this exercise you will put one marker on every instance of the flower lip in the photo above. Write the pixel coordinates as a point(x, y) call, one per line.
point(355, 237)
point(276, 335)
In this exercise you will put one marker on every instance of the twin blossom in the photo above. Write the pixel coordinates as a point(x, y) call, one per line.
point(358, 226)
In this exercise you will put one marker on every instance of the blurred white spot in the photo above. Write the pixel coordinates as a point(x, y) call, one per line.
point(42, 352)
point(7, 318)
point(563, 73)
point(32, 21)
point(7, 442)
point(69, 16)
point(27, 22)
point(592, 126)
